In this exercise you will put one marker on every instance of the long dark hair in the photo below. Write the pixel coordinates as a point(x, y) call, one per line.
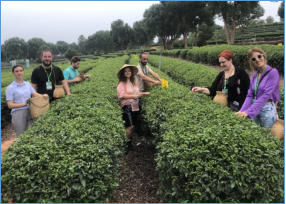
point(123, 78)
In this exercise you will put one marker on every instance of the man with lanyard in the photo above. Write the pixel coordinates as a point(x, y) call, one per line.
point(71, 72)
point(45, 77)
point(143, 71)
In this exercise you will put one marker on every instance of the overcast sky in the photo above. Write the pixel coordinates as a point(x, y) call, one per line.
point(67, 20)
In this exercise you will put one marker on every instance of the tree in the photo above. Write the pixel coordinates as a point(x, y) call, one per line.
point(261, 21)
point(142, 33)
point(54, 47)
point(15, 48)
point(205, 33)
point(218, 27)
point(33, 46)
point(281, 10)
point(245, 14)
point(120, 33)
point(228, 10)
point(71, 53)
point(162, 22)
point(100, 41)
point(4, 57)
point(40, 50)
point(252, 23)
point(269, 19)
point(74, 46)
point(187, 17)
point(62, 46)
point(81, 44)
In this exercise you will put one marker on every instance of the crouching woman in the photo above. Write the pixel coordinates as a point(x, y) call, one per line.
point(128, 95)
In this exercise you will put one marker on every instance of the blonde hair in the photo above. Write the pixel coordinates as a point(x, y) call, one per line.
point(249, 56)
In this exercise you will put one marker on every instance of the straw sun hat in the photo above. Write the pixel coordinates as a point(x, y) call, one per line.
point(134, 69)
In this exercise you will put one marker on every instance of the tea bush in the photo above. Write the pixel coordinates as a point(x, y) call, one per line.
point(70, 153)
point(191, 75)
point(7, 78)
point(207, 153)
point(208, 55)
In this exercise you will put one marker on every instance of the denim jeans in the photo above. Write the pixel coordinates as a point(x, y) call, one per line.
point(267, 116)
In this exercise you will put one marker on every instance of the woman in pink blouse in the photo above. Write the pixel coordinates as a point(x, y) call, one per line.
point(128, 95)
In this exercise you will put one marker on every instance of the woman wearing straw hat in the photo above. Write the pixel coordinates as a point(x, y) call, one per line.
point(128, 95)
point(263, 91)
point(17, 95)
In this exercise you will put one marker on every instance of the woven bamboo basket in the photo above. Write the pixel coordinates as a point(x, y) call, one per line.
point(147, 83)
point(221, 98)
point(278, 129)
point(59, 91)
point(38, 106)
point(81, 75)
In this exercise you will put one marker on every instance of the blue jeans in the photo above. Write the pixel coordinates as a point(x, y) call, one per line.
point(267, 116)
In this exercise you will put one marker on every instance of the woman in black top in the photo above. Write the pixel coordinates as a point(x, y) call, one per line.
point(233, 80)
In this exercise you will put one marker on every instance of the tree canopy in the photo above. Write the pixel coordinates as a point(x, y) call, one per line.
point(120, 33)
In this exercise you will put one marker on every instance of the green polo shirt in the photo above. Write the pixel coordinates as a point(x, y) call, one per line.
point(70, 74)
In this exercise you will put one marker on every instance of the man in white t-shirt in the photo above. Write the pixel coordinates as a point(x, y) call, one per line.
point(143, 71)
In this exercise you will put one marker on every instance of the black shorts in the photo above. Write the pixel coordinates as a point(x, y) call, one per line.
point(130, 117)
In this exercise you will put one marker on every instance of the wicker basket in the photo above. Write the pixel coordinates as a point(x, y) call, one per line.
point(278, 129)
point(147, 83)
point(59, 91)
point(221, 98)
point(38, 106)
point(81, 75)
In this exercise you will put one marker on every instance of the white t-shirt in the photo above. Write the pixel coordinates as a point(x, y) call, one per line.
point(139, 80)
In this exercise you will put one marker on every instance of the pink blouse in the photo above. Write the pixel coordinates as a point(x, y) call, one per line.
point(124, 88)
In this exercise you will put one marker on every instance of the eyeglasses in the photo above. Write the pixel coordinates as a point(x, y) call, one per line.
point(258, 56)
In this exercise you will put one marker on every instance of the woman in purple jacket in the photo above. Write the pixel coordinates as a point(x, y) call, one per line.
point(263, 92)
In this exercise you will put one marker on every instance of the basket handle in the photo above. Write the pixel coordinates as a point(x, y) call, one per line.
point(39, 106)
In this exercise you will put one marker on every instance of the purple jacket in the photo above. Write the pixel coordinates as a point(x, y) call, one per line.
point(268, 89)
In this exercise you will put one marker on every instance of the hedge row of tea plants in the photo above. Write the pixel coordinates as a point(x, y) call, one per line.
point(190, 75)
point(208, 55)
point(207, 153)
point(7, 78)
point(70, 154)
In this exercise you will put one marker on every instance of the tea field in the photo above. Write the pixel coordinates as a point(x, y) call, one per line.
point(205, 153)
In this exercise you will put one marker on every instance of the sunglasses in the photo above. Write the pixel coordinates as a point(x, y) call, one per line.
point(258, 56)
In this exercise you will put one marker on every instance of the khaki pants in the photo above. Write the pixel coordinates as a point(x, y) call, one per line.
point(21, 120)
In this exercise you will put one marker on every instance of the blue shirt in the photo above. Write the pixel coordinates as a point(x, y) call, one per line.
point(19, 93)
point(70, 74)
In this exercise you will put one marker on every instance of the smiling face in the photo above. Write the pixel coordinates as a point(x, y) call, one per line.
point(47, 59)
point(143, 59)
point(127, 72)
point(18, 72)
point(225, 64)
point(260, 61)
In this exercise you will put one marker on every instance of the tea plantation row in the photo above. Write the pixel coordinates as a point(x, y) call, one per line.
point(71, 153)
point(206, 153)
point(190, 75)
point(7, 78)
point(208, 54)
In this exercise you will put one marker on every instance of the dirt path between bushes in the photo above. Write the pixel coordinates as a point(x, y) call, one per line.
point(139, 180)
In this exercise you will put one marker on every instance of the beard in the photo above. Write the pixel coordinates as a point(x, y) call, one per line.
point(144, 63)
point(47, 64)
